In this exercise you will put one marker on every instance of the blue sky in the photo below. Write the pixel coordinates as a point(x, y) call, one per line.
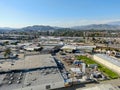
point(66, 13)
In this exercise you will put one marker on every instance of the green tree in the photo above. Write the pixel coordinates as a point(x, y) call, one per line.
point(6, 42)
point(7, 53)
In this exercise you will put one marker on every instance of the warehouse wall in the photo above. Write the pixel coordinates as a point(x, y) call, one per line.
point(53, 85)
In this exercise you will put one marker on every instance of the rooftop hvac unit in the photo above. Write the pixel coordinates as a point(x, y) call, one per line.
point(42, 71)
point(18, 82)
point(28, 84)
point(50, 70)
point(19, 78)
point(47, 70)
point(20, 73)
point(11, 75)
point(9, 82)
point(54, 72)
point(11, 78)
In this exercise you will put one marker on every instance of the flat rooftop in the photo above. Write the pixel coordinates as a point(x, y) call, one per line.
point(11, 81)
point(43, 77)
point(47, 76)
point(29, 62)
point(109, 59)
point(32, 80)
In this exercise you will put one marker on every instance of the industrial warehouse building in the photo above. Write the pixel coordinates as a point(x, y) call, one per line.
point(35, 72)
point(70, 48)
point(110, 62)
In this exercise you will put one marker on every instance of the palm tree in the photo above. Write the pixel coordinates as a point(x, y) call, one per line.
point(7, 53)
point(6, 42)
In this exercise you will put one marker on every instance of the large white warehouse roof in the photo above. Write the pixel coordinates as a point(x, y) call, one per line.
point(109, 59)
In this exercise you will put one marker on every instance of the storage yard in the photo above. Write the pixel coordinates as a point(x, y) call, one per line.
point(102, 68)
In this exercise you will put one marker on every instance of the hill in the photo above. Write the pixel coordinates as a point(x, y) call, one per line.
point(98, 27)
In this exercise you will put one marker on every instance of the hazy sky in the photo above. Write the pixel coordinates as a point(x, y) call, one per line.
point(19, 13)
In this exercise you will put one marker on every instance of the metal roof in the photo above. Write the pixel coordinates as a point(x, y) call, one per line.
point(110, 59)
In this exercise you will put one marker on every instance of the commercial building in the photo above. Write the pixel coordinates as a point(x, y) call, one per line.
point(70, 48)
point(29, 62)
point(35, 72)
point(86, 48)
point(108, 61)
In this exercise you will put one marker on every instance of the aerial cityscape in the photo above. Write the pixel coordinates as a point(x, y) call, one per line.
point(59, 45)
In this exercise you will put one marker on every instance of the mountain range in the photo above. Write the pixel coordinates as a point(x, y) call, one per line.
point(38, 27)
point(98, 27)
point(108, 26)
point(114, 23)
